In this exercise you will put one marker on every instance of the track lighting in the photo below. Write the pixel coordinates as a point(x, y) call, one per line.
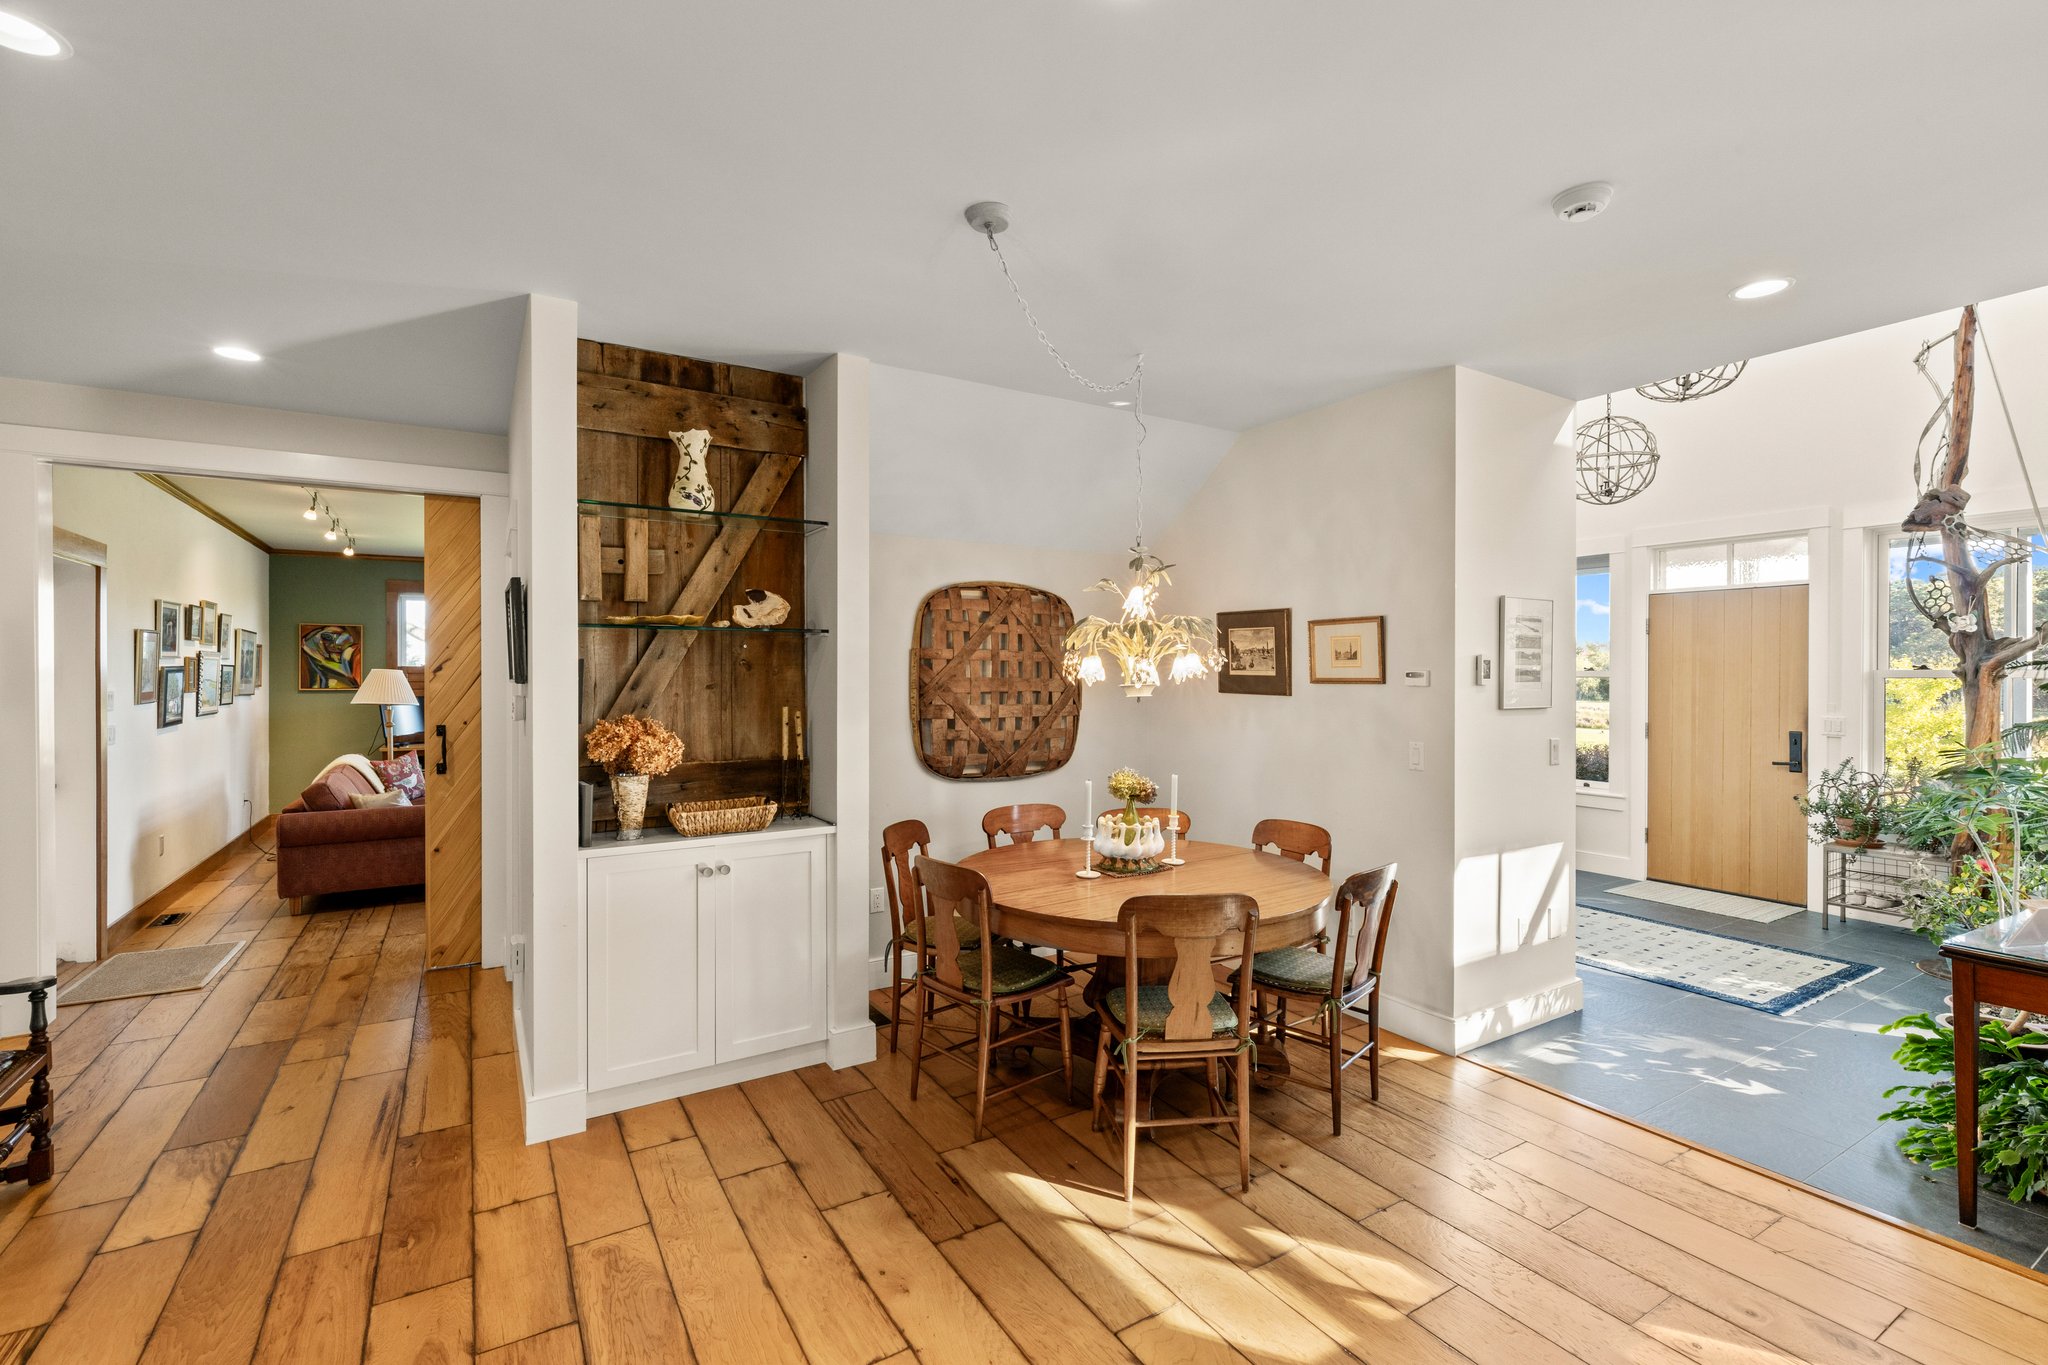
point(312, 512)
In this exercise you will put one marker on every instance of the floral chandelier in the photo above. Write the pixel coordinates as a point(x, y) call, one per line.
point(1149, 648)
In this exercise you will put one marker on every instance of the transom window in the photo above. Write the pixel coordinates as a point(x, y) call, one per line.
point(1732, 564)
point(1592, 629)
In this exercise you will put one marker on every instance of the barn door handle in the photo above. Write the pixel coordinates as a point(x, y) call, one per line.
point(441, 768)
point(1796, 752)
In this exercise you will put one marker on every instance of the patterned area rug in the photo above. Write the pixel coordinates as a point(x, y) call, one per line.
point(1759, 975)
point(151, 973)
point(1714, 902)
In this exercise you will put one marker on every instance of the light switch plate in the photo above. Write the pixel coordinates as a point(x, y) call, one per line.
point(1482, 670)
point(1833, 725)
point(1416, 677)
point(1415, 754)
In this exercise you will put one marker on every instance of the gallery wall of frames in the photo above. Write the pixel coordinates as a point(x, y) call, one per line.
point(194, 660)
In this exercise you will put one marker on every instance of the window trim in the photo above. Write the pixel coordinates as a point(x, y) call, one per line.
point(1727, 545)
point(394, 589)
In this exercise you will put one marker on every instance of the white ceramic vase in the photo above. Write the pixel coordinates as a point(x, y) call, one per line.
point(1114, 840)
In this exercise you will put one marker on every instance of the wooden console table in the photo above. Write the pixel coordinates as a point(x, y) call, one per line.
point(1985, 973)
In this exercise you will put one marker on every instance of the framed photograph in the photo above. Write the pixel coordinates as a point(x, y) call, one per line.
point(209, 625)
point(227, 683)
point(330, 658)
point(1527, 627)
point(245, 663)
point(1257, 652)
point(515, 629)
point(170, 695)
point(202, 673)
point(193, 616)
point(167, 621)
point(145, 665)
point(1351, 649)
point(222, 640)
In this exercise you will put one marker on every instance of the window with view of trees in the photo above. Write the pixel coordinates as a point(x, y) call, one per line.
point(1921, 698)
point(1592, 622)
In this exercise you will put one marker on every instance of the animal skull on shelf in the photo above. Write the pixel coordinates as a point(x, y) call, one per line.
point(761, 608)
point(691, 490)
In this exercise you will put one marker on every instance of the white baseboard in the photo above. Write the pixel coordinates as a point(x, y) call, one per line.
point(547, 1116)
point(1608, 864)
point(1462, 1033)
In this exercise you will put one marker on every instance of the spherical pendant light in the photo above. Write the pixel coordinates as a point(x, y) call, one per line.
point(1616, 458)
point(1693, 384)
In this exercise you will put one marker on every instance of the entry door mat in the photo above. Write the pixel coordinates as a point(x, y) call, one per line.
point(1713, 902)
point(152, 972)
point(1759, 975)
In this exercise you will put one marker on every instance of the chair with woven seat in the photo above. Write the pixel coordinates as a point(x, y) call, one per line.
point(29, 1066)
point(1326, 984)
point(954, 975)
point(1022, 824)
point(1183, 1022)
point(902, 843)
point(1296, 839)
point(1164, 814)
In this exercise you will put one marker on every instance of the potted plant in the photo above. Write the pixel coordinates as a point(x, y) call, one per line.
point(632, 749)
point(1981, 804)
point(1848, 806)
point(2012, 1104)
point(1940, 905)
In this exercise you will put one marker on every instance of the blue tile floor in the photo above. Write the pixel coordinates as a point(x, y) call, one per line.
point(1798, 1095)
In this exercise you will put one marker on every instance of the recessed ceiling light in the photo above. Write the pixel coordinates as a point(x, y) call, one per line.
point(1119, 402)
point(1760, 289)
point(27, 36)
point(241, 353)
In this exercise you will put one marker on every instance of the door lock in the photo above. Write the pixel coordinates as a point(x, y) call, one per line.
point(1795, 750)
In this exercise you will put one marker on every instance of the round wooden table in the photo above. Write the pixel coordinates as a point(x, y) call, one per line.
point(1035, 896)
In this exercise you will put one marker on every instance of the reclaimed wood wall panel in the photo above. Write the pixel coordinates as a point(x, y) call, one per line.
point(724, 695)
point(988, 698)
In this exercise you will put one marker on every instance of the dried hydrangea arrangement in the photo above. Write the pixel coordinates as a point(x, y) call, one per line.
point(633, 744)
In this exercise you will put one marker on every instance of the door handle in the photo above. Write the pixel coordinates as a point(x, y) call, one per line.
point(441, 733)
point(1795, 748)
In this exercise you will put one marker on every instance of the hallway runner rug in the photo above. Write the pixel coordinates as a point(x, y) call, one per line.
point(1713, 902)
point(1759, 975)
point(157, 972)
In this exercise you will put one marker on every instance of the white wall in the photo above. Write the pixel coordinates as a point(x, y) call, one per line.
point(75, 879)
point(175, 795)
point(28, 846)
point(1817, 440)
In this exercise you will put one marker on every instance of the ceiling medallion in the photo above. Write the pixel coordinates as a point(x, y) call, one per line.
point(1616, 458)
point(1693, 384)
point(1149, 648)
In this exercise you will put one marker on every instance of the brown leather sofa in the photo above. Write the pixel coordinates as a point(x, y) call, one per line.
point(324, 845)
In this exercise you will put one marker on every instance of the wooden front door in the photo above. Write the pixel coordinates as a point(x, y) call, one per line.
point(1727, 691)
point(454, 715)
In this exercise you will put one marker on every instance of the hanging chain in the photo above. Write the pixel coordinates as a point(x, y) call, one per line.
point(1134, 381)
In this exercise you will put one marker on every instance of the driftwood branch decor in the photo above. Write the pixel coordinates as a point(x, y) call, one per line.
point(987, 696)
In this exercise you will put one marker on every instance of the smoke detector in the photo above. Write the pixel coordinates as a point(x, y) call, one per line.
point(1581, 202)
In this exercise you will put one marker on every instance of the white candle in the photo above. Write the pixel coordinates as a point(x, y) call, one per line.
point(1173, 814)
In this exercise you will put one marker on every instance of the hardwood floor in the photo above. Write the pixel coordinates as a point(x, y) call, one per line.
point(319, 1159)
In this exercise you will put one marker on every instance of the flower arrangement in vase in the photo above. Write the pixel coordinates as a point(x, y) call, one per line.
point(632, 749)
point(1129, 843)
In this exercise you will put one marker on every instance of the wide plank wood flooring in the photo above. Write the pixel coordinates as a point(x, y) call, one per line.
point(320, 1159)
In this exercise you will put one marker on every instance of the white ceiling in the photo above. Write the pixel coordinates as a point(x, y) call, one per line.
point(1281, 203)
point(275, 513)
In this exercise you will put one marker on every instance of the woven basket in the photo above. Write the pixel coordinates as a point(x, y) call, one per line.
point(731, 815)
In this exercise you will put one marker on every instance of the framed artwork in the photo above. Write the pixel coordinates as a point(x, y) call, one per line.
point(145, 665)
point(245, 663)
point(202, 674)
point(193, 616)
point(259, 665)
point(1351, 649)
point(209, 625)
point(227, 683)
point(170, 695)
point(1257, 652)
point(167, 619)
point(515, 629)
point(223, 641)
point(330, 658)
point(1527, 627)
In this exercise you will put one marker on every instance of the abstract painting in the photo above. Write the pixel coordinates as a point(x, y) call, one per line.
point(330, 658)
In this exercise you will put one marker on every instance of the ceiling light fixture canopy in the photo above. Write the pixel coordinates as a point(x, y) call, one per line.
point(1149, 648)
point(1616, 458)
point(30, 38)
point(1693, 384)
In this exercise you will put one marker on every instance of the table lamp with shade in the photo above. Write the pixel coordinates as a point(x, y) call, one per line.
point(384, 689)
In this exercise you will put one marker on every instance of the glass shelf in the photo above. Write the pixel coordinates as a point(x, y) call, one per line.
point(615, 511)
point(743, 632)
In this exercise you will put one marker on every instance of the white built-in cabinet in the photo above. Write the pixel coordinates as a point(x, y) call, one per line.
point(707, 951)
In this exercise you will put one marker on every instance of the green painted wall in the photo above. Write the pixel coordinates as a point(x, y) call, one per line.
point(308, 729)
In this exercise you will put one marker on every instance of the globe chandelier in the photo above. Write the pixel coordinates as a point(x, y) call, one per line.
point(1616, 458)
point(1684, 388)
point(1150, 647)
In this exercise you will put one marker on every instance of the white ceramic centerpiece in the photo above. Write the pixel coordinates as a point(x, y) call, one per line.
point(1125, 841)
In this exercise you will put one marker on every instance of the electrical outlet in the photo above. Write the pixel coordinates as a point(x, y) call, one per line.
point(1415, 754)
point(1556, 751)
point(516, 955)
point(877, 904)
point(159, 845)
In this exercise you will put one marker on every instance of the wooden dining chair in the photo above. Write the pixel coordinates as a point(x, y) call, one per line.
point(1294, 839)
point(1163, 814)
point(902, 843)
point(1324, 985)
point(1181, 1023)
point(1021, 824)
point(27, 1068)
point(996, 986)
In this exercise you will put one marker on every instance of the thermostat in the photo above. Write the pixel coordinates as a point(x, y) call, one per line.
point(1416, 677)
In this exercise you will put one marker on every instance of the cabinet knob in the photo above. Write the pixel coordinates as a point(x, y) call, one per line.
point(703, 870)
point(723, 869)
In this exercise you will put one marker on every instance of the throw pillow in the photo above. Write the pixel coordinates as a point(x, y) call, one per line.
point(403, 774)
point(364, 800)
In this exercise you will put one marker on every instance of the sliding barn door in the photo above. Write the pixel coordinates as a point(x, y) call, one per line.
point(1727, 692)
point(454, 757)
